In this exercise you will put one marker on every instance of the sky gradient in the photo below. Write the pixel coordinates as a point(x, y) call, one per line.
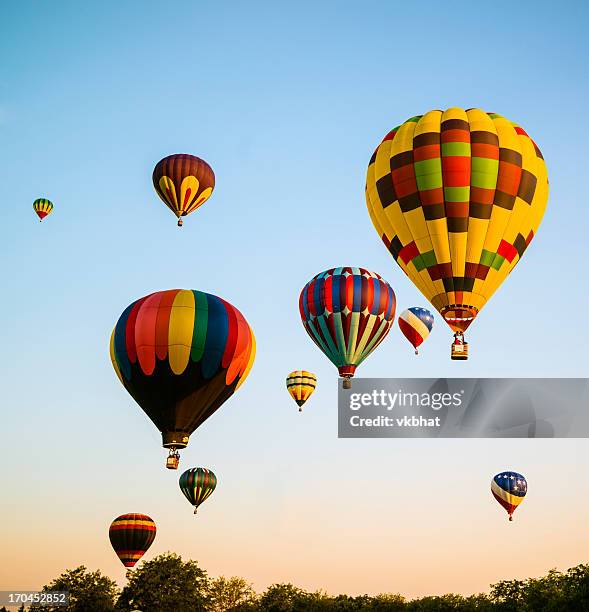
point(287, 104)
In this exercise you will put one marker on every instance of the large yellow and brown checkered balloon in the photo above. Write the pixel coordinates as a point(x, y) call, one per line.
point(457, 196)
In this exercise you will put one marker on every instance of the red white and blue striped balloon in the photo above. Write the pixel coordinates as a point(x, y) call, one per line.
point(416, 323)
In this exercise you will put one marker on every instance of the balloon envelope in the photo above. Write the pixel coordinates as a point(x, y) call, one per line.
point(181, 354)
point(509, 489)
point(457, 196)
point(347, 312)
point(301, 384)
point(416, 324)
point(197, 484)
point(42, 207)
point(131, 535)
point(183, 182)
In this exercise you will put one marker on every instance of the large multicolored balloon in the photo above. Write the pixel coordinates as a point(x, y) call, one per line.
point(347, 312)
point(131, 535)
point(183, 182)
point(300, 384)
point(197, 484)
point(416, 324)
point(457, 196)
point(42, 207)
point(181, 354)
point(509, 489)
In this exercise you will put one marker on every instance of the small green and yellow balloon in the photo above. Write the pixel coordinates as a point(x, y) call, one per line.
point(42, 207)
point(197, 484)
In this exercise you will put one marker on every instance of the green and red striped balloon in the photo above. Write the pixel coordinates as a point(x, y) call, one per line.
point(197, 484)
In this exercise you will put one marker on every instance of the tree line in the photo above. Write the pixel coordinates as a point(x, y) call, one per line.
point(169, 584)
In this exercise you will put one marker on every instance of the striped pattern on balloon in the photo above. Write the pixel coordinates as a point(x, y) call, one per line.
point(301, 384)
point(347, 312)
point(131, 535)
point(509, 489)
point(42, 207)
point(416, 324)
point(197, 485)
point(181, 354)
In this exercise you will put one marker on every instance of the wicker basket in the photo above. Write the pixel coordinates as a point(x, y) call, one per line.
point(459, 352)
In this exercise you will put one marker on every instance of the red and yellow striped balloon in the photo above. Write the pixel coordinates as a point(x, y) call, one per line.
point(131, 535)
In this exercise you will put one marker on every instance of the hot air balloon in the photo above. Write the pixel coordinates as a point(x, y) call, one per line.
point(181, 354)
point(416, 323)
point(131, 535)
point(347, 312)
point(197, 484)
point(457, 196)
point(509, 489)
point(42, 207)
point(183, 182)
point(301, 384)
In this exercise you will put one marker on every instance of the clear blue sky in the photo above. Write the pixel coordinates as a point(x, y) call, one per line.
point(287, 103)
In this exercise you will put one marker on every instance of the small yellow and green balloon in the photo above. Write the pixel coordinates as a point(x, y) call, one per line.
point(43, 207)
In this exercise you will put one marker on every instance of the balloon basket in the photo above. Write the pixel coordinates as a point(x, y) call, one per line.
point(347, 384)
point(459, 352)
point(510, 517)
point(173, 460)
point(195, 509)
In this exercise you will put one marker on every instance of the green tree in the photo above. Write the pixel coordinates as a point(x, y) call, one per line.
point(365, 603)
point(230, 594)
point(166, 584)
point(576, 588)
point(288, 598)
point(387, 602)
point(280, 598)
point(450, 603)
point(88, 591)
point(555, 592)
